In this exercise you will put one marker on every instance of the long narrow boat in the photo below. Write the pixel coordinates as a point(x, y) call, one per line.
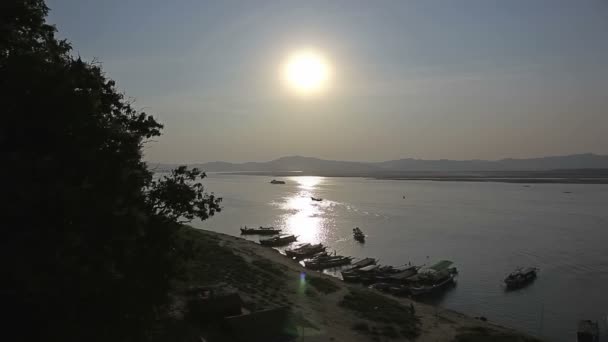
point(520, 277)
point(360, 274)
point(321, 264)
point(316, 199)
point(305, 251)
point(280, 240)
point(260, 231)
point(362, 263)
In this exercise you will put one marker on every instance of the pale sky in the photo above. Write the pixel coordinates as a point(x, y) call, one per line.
point(424, 79)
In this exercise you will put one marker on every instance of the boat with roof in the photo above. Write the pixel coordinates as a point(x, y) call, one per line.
point(278, 241)
point(432, 278)
point(305, 250)
point(521, 277)
point(260, 231)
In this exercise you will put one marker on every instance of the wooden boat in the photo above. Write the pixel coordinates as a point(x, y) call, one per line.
point(441, 279)
point(520, 277)
point(359, 274)
point(280, 240)
point(588, 331)
point(260, 231)
point(274, 181)
point(305, 251)
point(362, 263)
point(432, 278)
point(316, 199)
point(329, 262)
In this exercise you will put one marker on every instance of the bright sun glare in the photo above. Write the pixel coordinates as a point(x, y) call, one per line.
point(306, 72)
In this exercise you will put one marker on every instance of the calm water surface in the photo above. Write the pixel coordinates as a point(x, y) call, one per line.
point(487, 229)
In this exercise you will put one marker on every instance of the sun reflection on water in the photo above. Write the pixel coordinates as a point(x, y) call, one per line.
point(306, 218)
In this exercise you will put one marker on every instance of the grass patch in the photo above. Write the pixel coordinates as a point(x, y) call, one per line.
point(481, 334)
point(322, 285)
point(361, 326)
point(378, 308)
point(203, 261)
point(270, 267)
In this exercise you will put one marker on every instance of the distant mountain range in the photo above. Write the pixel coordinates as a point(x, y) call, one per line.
point(309, 165)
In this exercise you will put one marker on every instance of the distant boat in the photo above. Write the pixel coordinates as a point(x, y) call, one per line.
point(260, 231)
point(274, 181)
point(520, 277)
point(358, 235)
point(280, 240)
point(316, 199)
point(588, 331)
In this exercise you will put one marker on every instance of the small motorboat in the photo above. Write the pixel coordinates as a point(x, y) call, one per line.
point(280, 240)
point(274, 181)
point(260, 231)
point(358, 235)
point(521, 277)
point(316, 199)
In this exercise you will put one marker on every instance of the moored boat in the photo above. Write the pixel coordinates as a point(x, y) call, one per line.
point(327, 262)
point(305, 251)
point(274, 181)
point(432, 278)
point(362, 263)
point(435, 282)
point(280, 240)
point(358, 275)
point(260, 231)
point(520, 277)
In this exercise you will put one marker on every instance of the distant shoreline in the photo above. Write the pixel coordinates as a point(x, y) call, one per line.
point(527, 177)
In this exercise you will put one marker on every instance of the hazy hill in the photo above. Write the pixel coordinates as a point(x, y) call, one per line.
point(316, 165)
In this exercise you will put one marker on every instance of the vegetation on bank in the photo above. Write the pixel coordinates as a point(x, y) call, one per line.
point(393, 319)
point(206, 261)
point(89, 246)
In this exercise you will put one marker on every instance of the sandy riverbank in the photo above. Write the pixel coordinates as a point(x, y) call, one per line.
point(266, 279)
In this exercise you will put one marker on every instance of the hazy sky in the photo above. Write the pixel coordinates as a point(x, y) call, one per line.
point(426, 79)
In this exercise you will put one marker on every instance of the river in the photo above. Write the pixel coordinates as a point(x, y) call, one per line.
point(487, 228)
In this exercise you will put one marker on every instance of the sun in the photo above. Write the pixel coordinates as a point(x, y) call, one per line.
point(306, 72)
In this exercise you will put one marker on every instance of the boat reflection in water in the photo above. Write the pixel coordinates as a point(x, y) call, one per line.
point(305, 218)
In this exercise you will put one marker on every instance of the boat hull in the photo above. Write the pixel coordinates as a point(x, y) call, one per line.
point(427, 289)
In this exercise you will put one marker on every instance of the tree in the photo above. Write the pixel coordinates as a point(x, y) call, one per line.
point(87, 239)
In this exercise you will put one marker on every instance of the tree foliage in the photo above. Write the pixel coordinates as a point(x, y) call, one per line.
point(87, 238)
point(179, 197)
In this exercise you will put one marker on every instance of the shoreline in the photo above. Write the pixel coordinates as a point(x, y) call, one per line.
point(320, 298)
point(527, 178)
